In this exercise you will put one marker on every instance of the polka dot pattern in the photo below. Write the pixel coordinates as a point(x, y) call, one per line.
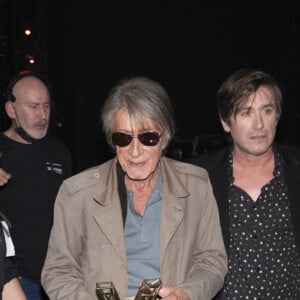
point(264, 261)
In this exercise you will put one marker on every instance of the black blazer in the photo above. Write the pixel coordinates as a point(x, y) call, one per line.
point(217, 164)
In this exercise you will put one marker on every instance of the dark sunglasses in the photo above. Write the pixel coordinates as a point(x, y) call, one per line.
point(146, 138)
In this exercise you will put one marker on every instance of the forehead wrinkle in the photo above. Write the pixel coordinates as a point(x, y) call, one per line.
point(31, 90)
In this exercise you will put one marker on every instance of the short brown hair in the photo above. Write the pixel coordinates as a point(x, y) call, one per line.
point(238, 88)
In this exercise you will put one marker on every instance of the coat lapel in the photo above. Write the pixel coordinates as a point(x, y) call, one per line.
point(173, 208)
point(109, 215)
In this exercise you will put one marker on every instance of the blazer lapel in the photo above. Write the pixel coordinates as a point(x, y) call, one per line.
point(292, 171)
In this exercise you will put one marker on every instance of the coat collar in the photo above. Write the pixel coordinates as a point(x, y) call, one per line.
point(109, 216)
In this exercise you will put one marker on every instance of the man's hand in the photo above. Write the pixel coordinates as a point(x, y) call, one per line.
point(173, 293)
point(4, 177)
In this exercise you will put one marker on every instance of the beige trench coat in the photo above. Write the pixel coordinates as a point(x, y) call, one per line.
point(87, 240)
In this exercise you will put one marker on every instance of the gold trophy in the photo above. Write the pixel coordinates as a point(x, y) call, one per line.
point(106, 291)
point(149, 289)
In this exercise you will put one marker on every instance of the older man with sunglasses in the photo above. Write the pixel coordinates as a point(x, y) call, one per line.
point(138, 216)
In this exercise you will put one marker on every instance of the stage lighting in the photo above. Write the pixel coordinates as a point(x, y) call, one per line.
point(30, 59)
point(27, 31)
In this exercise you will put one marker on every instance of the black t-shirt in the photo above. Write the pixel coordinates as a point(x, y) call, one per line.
point(27, 200)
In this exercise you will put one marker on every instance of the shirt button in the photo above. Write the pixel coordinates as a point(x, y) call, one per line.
point(257, 269)
point(255, 237)
point(96, 175)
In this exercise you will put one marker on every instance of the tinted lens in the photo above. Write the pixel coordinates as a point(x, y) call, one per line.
point(121, 139)
point(147, 138)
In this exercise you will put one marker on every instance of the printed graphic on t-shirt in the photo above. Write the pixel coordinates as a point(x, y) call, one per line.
point(54, 167)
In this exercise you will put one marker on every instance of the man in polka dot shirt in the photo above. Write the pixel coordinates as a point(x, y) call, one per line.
point(257, 186)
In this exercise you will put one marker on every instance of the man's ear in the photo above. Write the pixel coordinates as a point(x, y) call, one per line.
point(225, 126)
point(10, 110)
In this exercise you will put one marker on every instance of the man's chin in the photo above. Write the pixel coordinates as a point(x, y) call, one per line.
point(139, 177)
point(37, 136)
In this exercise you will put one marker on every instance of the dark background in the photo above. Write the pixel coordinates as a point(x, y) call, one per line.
point(86, 47)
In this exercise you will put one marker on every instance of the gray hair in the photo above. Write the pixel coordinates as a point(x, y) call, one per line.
point(141, 98)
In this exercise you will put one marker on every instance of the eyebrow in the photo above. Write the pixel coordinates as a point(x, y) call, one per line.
point(250, 106)
point(39, 103)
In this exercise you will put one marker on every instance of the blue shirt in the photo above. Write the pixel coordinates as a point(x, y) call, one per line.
point(142, 239)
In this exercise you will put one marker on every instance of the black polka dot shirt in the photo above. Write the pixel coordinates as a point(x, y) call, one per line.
point(264, 261)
